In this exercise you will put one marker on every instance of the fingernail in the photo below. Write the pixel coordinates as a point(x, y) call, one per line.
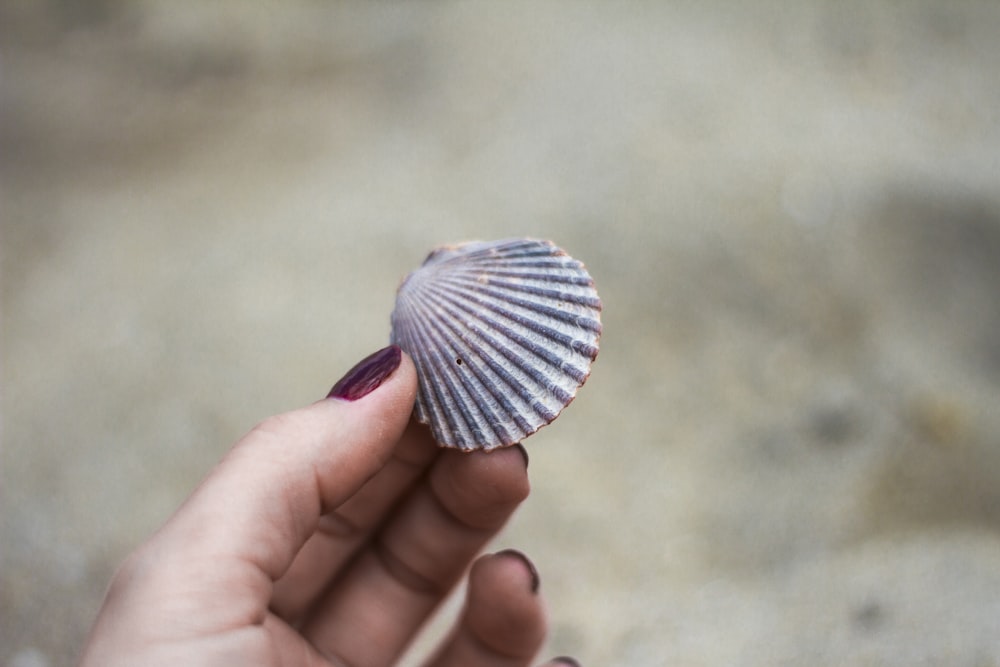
point(535, 581)
point(524, 453)
point(566, 660)
point(368, 375)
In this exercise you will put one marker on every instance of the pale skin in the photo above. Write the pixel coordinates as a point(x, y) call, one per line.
point(327, 536)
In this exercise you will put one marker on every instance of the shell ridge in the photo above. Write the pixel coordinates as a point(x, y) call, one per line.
point(502, 374)
point(552, 286)
point(549, 354)
point(522, 247)
point(543, 257)
point(478, 251)
point(457, 412)
point(455, 385)
point(586, 298)
point(525, 342)
point(546, 272)
point(553, 312)
point(492, 292)
point(413, 340)
point(534, 374)
point(527, 394)
point(537, 261)
point(569, 278)
point(435, 397)
point(481, 418)
point(422, 406)
point(580, 346)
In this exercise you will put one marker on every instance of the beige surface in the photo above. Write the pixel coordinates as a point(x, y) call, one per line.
point(788, 453)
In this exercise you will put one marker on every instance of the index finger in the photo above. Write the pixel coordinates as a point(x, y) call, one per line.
point(264, 499)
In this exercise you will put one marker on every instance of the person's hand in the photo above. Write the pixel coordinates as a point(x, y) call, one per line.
point(327, 536)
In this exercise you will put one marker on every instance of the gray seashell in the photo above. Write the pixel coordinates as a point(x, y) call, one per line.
point(502, 334)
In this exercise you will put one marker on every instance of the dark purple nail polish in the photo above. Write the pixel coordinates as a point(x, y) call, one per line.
point(535, 581)
point(366, 377)
point(566, 660)
point(524, 453)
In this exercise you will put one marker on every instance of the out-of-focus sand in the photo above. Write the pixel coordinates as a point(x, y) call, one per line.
point(789, 450)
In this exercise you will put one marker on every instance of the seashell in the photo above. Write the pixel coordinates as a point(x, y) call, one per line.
point(502, 334)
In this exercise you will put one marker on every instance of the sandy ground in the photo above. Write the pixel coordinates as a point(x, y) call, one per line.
point(789, 450)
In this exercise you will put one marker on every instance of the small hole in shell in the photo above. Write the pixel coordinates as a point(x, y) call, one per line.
point(459, 361)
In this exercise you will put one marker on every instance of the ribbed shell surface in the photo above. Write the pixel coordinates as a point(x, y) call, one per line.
point(502, 334)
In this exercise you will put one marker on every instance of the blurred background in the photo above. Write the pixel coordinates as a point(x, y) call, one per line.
point(788, 452)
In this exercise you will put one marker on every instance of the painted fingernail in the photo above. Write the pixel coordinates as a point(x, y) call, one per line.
point(565, 660)
point(535, 581)
point(524, 453)
point(368, 375)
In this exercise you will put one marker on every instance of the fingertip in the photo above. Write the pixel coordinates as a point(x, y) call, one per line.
point(505, 610)
point(562, 661)
point(534, 581)
point(373, 401)
point(388, 374)
point(524, 454)
point(367, 375)
point(481, 488)
point(504, 619)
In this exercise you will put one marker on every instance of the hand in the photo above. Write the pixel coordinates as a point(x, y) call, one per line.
point(327, 536)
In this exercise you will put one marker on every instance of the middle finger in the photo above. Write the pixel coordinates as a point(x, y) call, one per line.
point(398, 579)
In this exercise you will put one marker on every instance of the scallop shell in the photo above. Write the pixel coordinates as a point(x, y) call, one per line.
point(502, 334)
